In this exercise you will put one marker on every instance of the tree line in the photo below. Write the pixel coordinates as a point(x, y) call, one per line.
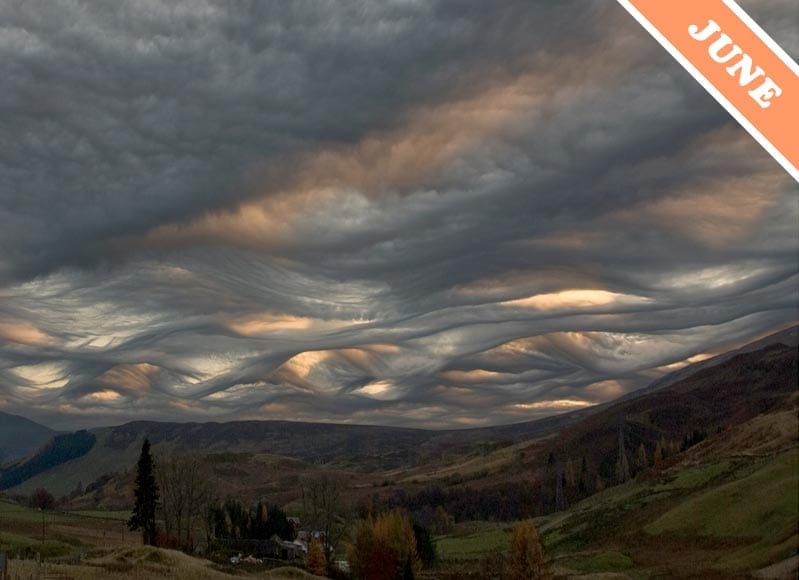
point(561, 482)
point(174, 492)
point(387, 535)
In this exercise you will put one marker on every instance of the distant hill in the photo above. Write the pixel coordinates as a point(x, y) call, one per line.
point(359, 448)
point(58, 450)
point(20, 436)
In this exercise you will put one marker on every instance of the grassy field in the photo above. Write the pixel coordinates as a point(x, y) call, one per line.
point(97, 545)
point(121, 516)
point(146, 563)
point(25, 531)
point(470, 540)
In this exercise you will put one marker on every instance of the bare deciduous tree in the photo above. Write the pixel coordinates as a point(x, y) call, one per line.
point(327, 508)
point(187, 490)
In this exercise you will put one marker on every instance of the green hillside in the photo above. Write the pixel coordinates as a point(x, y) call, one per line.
point(724, 511)
point(724, 518)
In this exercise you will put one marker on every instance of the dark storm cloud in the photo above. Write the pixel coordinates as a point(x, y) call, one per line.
point(118, 117)
point(423, 213)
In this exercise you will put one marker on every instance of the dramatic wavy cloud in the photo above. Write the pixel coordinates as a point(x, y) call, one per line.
point(446, 213)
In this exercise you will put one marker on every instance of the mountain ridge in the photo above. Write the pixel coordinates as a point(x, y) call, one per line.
point(20, 436)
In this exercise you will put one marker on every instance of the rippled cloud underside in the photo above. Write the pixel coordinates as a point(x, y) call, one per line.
point(435, 214)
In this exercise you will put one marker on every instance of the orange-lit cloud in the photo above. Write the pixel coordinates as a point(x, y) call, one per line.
point(573, 299)
point(304, 363)
point(104, 396)
point(472, 376)
point(377, 389)
point(130, 377)
point(23, 332)
point(713, 210)
point(605, 390)
point(683, 363)
point(301, 366)
point(410, 158)
point(256, 324)
point(553, 405)
point(516, 282)
point(43, 375)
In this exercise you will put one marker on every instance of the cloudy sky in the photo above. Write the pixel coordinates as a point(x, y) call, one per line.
point(434, 213)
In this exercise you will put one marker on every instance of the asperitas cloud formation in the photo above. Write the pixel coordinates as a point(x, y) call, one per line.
point(434, 214)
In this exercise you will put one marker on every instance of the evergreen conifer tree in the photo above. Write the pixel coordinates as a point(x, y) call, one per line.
point(146, 492)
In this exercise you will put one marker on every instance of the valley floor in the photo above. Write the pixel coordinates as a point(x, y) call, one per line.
point(728, 509)
point(729, 517)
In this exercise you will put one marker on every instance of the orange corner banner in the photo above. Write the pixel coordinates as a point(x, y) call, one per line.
point(737, 62)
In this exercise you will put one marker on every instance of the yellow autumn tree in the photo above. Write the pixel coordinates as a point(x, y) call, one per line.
point(526, 560)
point(384, 548)
point(316, 563)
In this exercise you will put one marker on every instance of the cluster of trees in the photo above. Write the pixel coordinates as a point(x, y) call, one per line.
point(231, 519)
point(563, 483)
point(436, 520)
point(187, 494)
point(627, 468)
point(504, 501)
point(392, 539)
point(569, 483)
point(390, 547)
point(180, 491)
point(692, 438)
point(175, 490)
